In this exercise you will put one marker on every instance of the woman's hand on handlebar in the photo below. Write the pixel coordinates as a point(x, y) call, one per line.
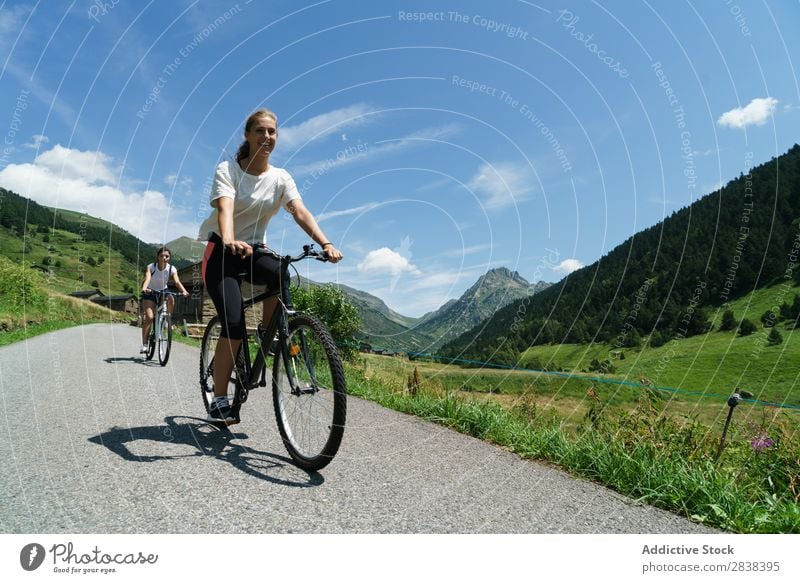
point(239, 248)
point(333, 254)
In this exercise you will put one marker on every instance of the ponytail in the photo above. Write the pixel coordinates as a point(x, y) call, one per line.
point(243, 151)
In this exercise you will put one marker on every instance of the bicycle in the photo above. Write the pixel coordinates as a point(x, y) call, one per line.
point(308, 383)
point(161, 331)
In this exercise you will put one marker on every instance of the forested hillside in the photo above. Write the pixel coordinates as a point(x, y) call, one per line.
point(662, 282)
point(19, 214)
point(76, 250)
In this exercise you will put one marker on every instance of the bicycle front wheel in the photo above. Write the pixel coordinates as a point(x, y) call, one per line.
point(151, 342)
point(309, 393)
point(164, 339)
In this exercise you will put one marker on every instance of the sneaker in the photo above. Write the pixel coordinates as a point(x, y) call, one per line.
point(143, 349)
point(220, 412)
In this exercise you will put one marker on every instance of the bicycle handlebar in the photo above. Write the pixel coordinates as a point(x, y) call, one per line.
point(308, 252)
point(166, 292)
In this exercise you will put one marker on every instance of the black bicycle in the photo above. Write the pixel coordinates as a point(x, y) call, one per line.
point(308, 383)
point(160, 337)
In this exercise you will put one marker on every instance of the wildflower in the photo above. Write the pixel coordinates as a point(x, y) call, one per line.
point(761, 442)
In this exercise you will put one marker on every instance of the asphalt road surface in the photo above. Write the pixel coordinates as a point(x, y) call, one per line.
point(93, 439)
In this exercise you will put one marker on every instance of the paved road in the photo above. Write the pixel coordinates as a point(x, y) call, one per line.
point(94, 439)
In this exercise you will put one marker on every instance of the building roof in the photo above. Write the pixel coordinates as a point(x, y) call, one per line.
point(105, 299)
point(87, 293)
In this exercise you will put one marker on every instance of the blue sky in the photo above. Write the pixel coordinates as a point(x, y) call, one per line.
point(433, 140)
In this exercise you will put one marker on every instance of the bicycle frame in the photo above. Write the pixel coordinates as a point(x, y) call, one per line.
point(254, 373)
point(162, 309)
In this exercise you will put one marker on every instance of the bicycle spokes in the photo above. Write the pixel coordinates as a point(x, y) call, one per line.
point(309, 393)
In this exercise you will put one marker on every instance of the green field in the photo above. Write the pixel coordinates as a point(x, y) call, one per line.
point(711, 364)
point(690, 378)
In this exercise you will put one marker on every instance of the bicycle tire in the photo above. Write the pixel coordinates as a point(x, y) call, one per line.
point(165, 343)
point(207, 348)
point(311, 423)
point(151, 341)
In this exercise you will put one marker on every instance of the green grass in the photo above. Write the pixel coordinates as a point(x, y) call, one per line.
point(642, 452)
point(36, 329)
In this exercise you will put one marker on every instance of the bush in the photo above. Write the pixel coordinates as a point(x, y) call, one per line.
point(746, 328)
point(728, 321)
point(20, 287)
point(774, 337)
point(605, 367)
point(329, 304)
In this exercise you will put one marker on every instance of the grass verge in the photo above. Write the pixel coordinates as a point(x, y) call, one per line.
point(642, 453)
point(28, 307)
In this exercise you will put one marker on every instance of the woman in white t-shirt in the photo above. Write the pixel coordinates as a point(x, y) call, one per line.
point(246, 194)
point(156, 279)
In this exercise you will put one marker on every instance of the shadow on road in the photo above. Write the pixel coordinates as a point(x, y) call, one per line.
point(131, 360)
point(208, 440)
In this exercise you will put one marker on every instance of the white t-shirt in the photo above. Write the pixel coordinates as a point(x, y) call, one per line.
point(159, 278)
point(256, 199)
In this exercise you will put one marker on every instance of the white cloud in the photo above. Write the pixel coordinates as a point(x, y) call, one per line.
point(85, 181)
point(568, 266)
point(66, 163)
point(501, 184)
point(363, 151)
point(346, 212)
point(37, 140)
point(463, 251)
point(756, 112)
point(11, 20)
point(386, 261)
point(324, 124)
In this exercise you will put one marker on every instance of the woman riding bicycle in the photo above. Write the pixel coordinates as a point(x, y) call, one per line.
point(246, 194)
point(156, 279)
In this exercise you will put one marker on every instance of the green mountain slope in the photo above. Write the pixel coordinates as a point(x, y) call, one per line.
point(187, 249)
point(374, 303)
point(73, 249)
point(662, 282)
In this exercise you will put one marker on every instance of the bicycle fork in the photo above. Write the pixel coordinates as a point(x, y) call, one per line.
point(298, 351)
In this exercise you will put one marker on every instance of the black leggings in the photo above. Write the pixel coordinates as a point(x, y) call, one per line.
point(222, 277)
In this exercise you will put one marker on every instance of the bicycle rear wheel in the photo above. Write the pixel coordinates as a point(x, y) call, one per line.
point(309, 393)
point(164, 339)
point(208, 347)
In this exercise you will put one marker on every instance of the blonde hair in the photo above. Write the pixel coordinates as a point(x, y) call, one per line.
point(244, 148)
